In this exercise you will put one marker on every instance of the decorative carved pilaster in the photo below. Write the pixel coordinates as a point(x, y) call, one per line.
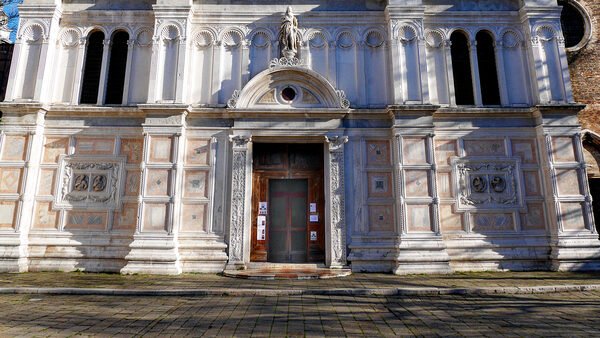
point(337, 229)
point(240, 173)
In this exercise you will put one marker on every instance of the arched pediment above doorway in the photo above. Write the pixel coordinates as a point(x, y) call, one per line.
point(288, 86)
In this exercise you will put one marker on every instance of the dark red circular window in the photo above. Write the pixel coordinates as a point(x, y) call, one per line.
point(288, 94)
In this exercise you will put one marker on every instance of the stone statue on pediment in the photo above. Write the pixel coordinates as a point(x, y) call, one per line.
point(289, 35)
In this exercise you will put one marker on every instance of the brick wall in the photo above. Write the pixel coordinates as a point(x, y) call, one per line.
point(585, 71)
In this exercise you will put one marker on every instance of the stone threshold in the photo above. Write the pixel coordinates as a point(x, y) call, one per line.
point(277, 271)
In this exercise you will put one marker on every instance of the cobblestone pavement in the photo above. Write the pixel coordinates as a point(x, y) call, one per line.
point(558, 314)
point(356, 280)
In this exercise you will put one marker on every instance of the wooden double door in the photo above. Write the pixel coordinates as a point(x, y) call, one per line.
point(288, 200)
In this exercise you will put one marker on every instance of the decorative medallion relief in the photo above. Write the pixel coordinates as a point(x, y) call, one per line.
point(488, 183)
point(91, 183)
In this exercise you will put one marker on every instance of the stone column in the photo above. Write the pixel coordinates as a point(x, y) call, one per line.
point(241, 195)
point(335, 240)
point(104, 70)
point(127, 84)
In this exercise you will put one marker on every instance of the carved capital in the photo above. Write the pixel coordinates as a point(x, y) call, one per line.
point(336, 143)
point(240, 141)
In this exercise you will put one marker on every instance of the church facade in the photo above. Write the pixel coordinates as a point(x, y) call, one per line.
point(405, 136)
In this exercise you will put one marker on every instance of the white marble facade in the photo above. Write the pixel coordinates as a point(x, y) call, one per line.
point(415, 181)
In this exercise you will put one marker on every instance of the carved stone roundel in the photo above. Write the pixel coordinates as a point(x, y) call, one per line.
point(317, 40)
point(406, 33)
point(510, 39)
point(169, 33)
point(70, 37)
point(434, 39)
point(261, 40)
point(203, 39)
point(545, 33)
point(33, 33)
point(345, 40)
point(232, 38)
point(144, 38)
point(374, 39)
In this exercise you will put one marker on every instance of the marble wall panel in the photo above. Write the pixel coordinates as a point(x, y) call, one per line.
point(444, 151)
point(54, 147)
point(449, 220)
point(157, 182)
point(10, 180)
point(568, 182)
point(419, 218)
point(381, 218)
point(444, 184)
point(414, 150)
point(417, 183)
point(378, 153)
point(8, 211)
point(572, 216)
point(81, 220)
point(45, 217)
point(492, 222)
point(127, 218)
point(155, 217)
point(532, 183)
point(380, 184)
point(14, 148)
point(534, 218)
point(195, 183)
point(562, 149)
point(160, 149)
point(133, 148)
point(94, 146)
point(197, 151)
point(526, 150)
point(47, 181)
point(193, 218)
point(484, 147)
point(132, 182)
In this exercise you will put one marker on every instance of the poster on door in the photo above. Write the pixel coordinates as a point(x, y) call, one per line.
point(261, 228)
point(262, 208)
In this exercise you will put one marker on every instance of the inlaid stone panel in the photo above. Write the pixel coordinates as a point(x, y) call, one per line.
point(8, 210)
point(195, 183)
point(484, 222)
point(127, 218)
point(155, 217)
point(132, 182)
point(417, 183)
point(419, 218)
point(444, 184)
point(414, 150)
point(45, 217)
point(378, 153)
point(14, 148)
point(197, 151)
point(47, 181)
point(10, 180)
point(381, 218)
point(94, 146)
point(526, 150)
point(572, 216)
point(157, 182)
point(484, 147)
point(55, 147)
point(532, 183)
point(449, 220)
point(160, 149)
point(77, 220)
point(133, 148)
point(534, 218)
point(562, 149)
point(444, 151)
point(568, 182)
point(380, 184)
point(193, 218)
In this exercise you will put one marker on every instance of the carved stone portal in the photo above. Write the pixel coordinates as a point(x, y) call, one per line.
point(89, 183)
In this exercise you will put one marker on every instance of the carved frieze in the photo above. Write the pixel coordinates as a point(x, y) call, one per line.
point(90, 183)
point(488, 183)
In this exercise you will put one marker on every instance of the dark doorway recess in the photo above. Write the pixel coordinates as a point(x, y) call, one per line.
point(289, 178)
point(6, 52)
point(595, 192)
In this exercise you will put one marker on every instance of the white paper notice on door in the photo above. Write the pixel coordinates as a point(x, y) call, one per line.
point(313, 207)
point(261, 228)
point(314, 218)
point(262, 208)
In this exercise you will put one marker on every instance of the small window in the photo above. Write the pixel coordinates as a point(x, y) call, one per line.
point(93, 66)
point(576, 26)
point(488, 74)
point(461, 68)
point(117, 68)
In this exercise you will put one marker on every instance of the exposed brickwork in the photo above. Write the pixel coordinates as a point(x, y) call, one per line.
point(585, 71)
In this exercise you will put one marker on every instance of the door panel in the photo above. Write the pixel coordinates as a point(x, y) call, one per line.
point(287, 214)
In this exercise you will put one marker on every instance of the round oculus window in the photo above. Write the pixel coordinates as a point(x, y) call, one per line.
point(575, 24)
point(288, 94)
